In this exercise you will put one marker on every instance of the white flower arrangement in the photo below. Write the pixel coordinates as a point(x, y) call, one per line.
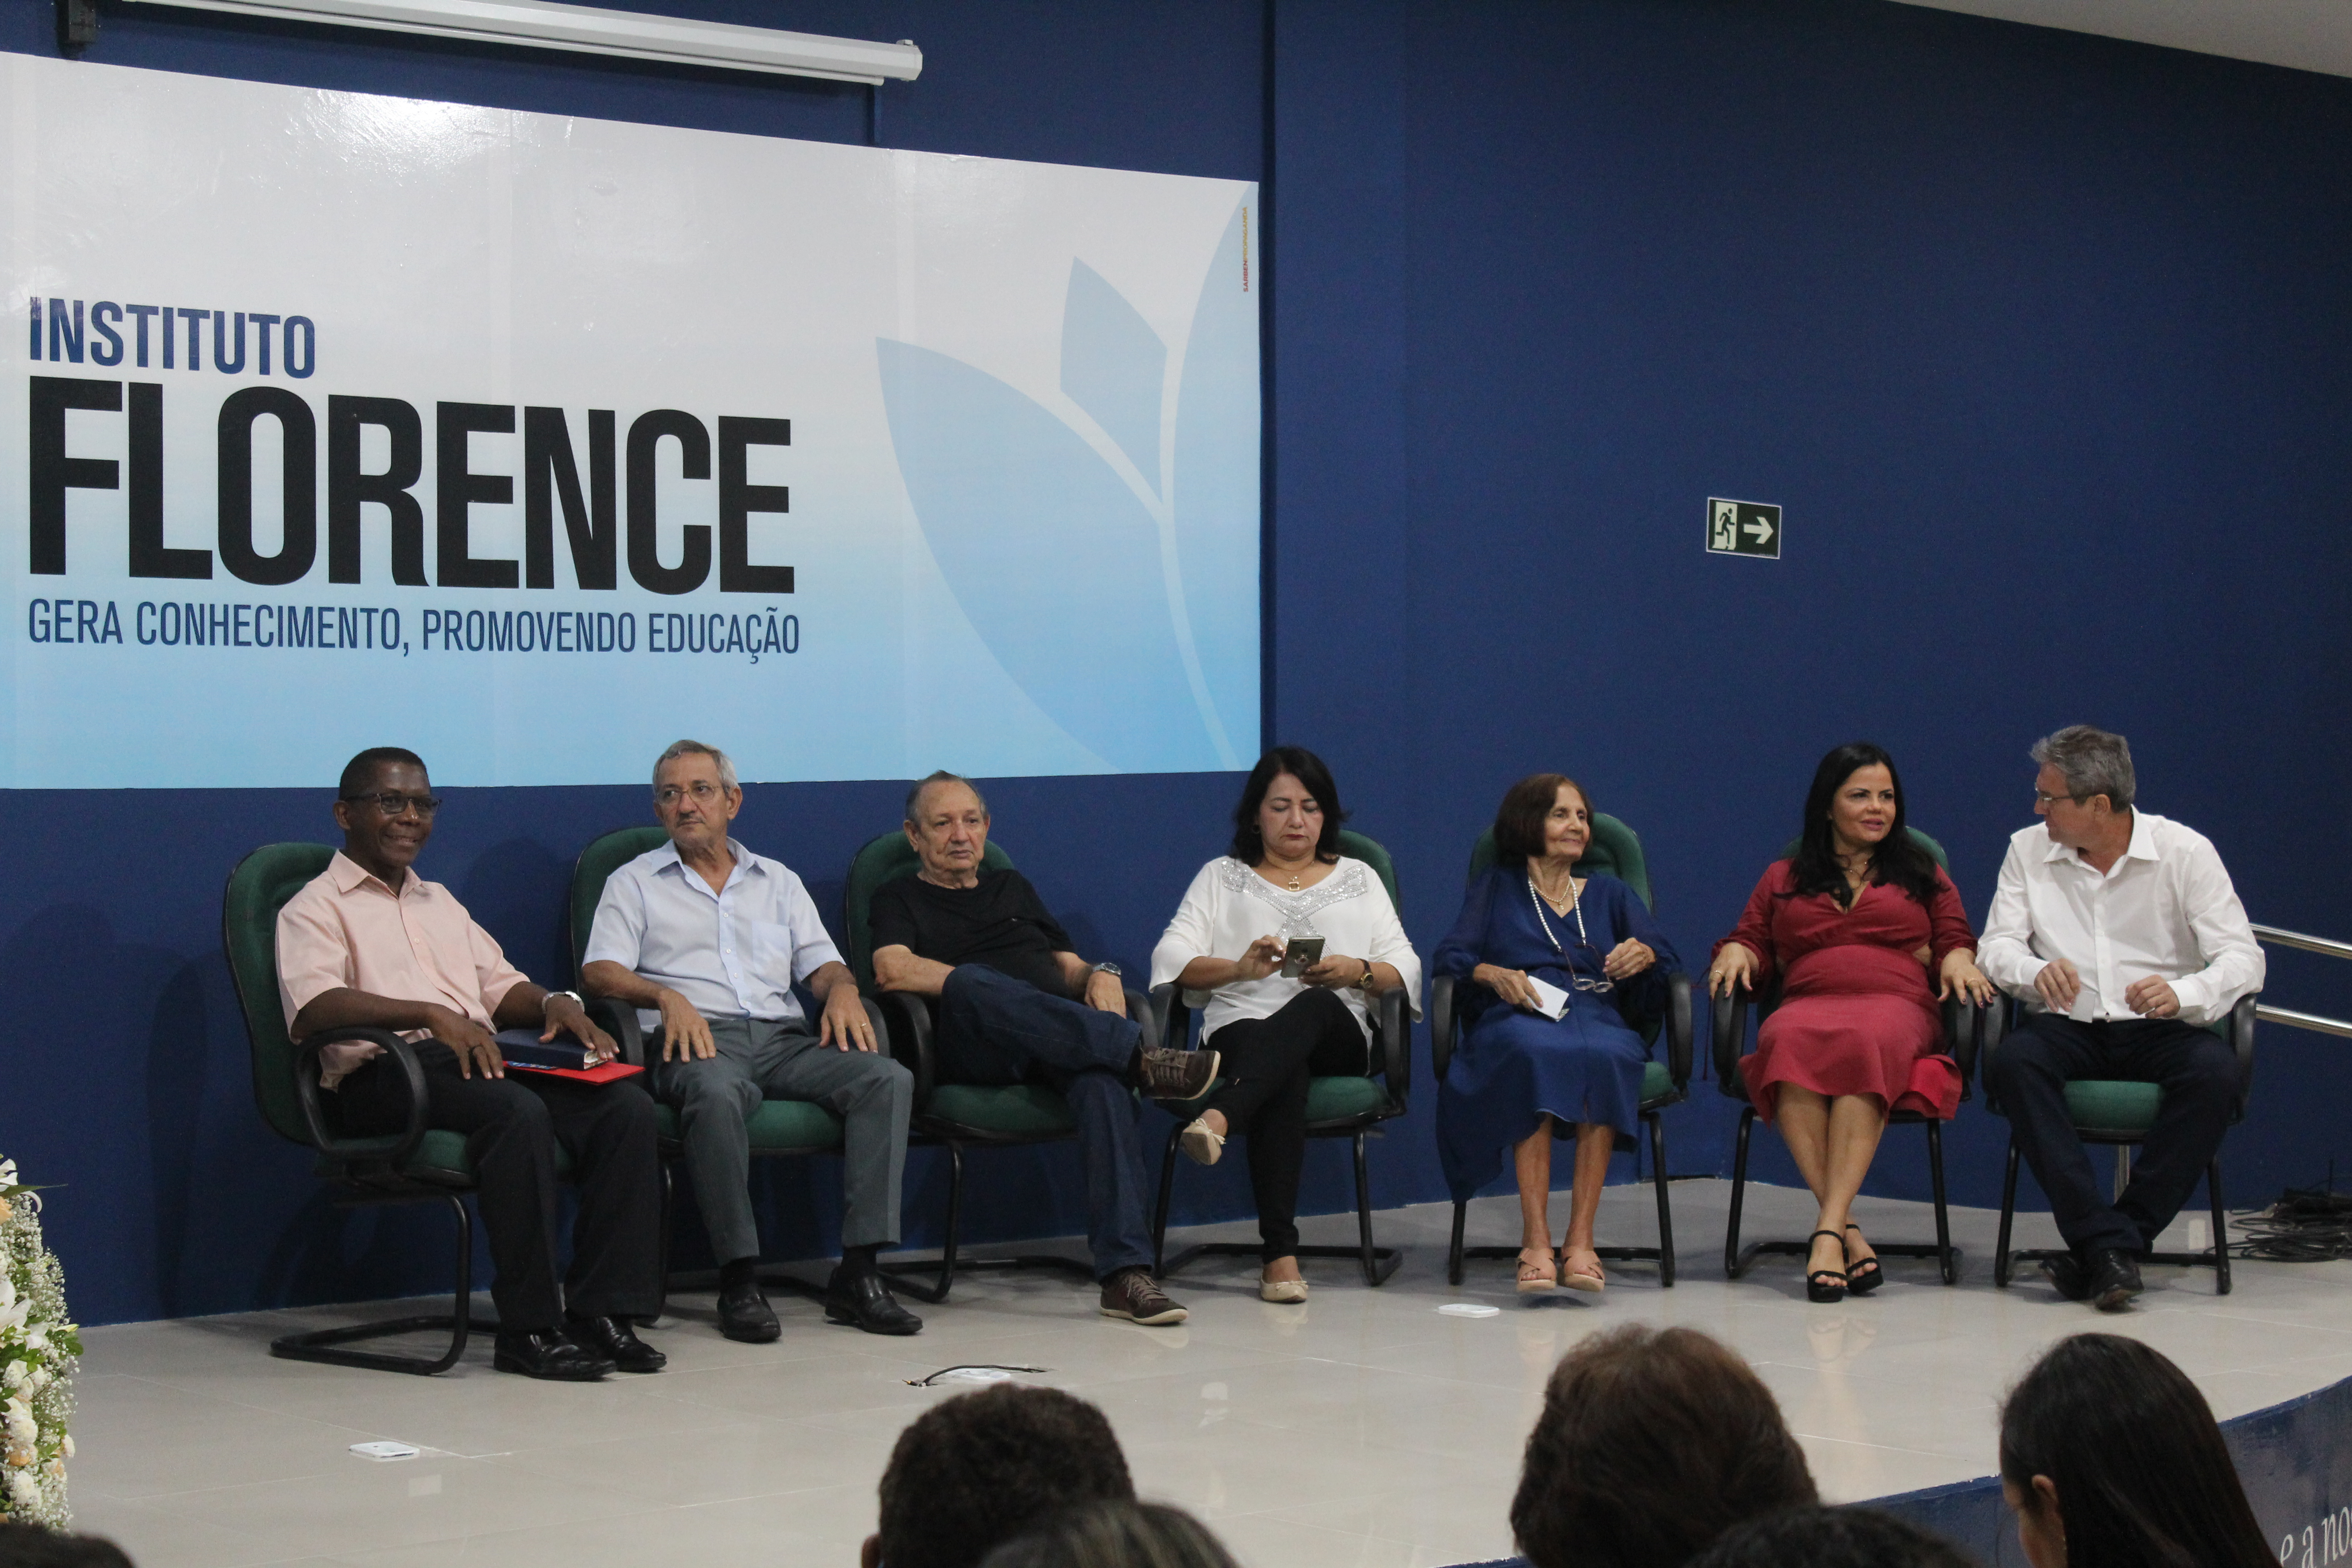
point(38, 1350)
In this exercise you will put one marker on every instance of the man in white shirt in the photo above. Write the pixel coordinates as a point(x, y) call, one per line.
point(2122, 934)
point(706, 939)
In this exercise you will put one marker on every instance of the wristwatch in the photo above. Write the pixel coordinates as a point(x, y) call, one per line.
point(1107, 967)
point(1365, 984)
point(577, 1000)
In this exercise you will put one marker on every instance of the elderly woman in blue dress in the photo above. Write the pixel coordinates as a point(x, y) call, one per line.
point(1518, 1071)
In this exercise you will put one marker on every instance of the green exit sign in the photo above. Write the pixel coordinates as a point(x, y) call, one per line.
point(1743, 528)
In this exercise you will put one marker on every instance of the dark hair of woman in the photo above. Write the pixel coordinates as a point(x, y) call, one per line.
point(1652, 1443)
point(2131, 1449)
point(1899, 861)
point(1519, 820)
point(1249, 842)
point(1115, 1535)
point(1830, 1538)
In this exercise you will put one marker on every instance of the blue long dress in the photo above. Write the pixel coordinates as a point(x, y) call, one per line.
point(1513, 1067)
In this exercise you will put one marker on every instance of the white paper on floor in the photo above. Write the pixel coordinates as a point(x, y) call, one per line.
point(1468, 1309)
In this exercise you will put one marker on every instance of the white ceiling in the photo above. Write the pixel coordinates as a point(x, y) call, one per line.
point(2309, 35)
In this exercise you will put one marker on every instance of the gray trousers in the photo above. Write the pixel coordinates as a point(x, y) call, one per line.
point(781, 1059)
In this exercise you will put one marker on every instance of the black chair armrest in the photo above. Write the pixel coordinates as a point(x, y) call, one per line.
point(619, 1019)
point(1999, 1020)
point(1678, 1028)
point(2241, 1041)
point(1146, 1016)
point(1392, 1031)
point(907, 1025)
point(314, 1116)
point(1964, 1034)
point(1171, 1016)
point(1442, 1024)
point(1730, 1015)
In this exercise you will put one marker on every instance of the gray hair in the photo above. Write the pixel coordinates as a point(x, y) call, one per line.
point(914, 795)
point(2094, 762)
point(697, 749)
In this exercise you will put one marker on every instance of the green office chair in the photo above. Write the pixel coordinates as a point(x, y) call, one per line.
point(956, 1115)
point(2119, 1112)
point(780, 1128)
point(1964, 1027)
point(417, 1164)
point(1341, 1106)
point(1614, 850)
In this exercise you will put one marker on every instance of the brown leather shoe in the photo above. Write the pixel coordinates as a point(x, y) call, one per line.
point(1133, 1294)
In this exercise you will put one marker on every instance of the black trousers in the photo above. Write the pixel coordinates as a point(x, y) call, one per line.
point(1267, 1063)
point(2197, 1072)
point(513, 1126)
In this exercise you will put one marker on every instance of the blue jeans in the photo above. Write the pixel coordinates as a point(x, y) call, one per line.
point(995, 1029)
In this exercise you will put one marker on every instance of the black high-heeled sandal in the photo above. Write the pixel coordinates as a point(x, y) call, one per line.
point(1826, 1285)
point(1863, 1278)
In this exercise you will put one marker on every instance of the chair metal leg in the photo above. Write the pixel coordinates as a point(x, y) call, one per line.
point(2123, 1172)
point(1454, 1255)
point(670, 1203)
point(1943, 1251)
point(1665, 1210)
point(1732, 1262)
point(325, 1344)
point(1167, 1189)
point(2221, 1228)
point(2008, 1214)
point(1372, 1275)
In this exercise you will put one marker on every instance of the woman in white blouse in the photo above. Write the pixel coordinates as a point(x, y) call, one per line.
point(1285, 878)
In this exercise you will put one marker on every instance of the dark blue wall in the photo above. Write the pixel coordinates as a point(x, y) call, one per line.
point(2041, 339)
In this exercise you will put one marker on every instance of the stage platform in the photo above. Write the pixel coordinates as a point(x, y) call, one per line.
point(1366, 1428)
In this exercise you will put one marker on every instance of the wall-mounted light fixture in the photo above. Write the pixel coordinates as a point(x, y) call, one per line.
point(545, 25)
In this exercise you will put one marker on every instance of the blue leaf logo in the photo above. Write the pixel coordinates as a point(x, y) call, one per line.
point(1122, 597)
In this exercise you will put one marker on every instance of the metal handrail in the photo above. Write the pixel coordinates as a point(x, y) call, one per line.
point(2288, 1016)
point(2333, 949)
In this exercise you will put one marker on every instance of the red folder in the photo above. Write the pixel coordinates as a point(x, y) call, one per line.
point(609, 1073)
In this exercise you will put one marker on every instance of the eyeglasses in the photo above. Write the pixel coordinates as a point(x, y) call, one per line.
point(2041, 801)
point(392, 802)
point(702, 790)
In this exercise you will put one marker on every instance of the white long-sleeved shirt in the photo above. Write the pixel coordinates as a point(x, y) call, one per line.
point(2165, 908)
point(1229, 906)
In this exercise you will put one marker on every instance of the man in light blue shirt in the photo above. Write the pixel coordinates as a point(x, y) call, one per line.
point(706, 939)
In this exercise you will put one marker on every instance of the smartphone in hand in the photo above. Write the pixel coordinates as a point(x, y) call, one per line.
point(1300, 954)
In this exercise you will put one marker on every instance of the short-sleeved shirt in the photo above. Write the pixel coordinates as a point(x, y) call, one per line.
point(1000, 922)
point(346, 929)
point(733, 953)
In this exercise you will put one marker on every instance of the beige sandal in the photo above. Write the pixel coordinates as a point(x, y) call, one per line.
point(1203, 1144)
point(1535, 1279)
point(1594, 1282)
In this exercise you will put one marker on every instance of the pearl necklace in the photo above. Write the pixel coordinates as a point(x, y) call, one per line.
point(1575, 907)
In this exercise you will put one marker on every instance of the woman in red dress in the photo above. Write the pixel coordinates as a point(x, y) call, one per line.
point(1853, 924)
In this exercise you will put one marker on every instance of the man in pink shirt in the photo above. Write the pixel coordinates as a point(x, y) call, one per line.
point(370, 943)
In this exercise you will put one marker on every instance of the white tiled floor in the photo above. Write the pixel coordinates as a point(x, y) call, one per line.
point(1363, 1429)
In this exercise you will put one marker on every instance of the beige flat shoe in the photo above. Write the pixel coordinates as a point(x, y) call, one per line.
point(1286, 1293)
point(1535, 1279)
point(1594, 1282)
point(1202, 1144)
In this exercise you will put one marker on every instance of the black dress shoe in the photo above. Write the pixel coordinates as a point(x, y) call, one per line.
point(615, 1341)
point(2114, 1279)
point(863, 1301)
point(545, 1352)
point(2065, 1274)
point(744, 1314)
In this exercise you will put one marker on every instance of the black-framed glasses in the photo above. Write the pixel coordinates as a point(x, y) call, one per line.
point(392, 802)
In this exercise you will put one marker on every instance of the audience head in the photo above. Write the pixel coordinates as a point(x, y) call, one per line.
point(2111, 1457)
point(1856, 803)
point(973, 1471)
point(30, 1546)
point(2085, 784)
point(1115, 1535)
point(696, 795)
point(385, 842)
point(1537, 810)
point(946, 823)
point(1819, 1537)
point(1289, 797)
point(1651, 1444)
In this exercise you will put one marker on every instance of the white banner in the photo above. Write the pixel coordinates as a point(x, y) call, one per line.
point(533, 444)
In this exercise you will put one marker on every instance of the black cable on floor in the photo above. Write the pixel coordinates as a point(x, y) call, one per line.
point(2301, 1227)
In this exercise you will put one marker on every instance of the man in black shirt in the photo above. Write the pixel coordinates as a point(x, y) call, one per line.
point(1015, 1004)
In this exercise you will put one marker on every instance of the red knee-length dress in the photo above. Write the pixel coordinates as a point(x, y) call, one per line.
point(1858, 1013)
